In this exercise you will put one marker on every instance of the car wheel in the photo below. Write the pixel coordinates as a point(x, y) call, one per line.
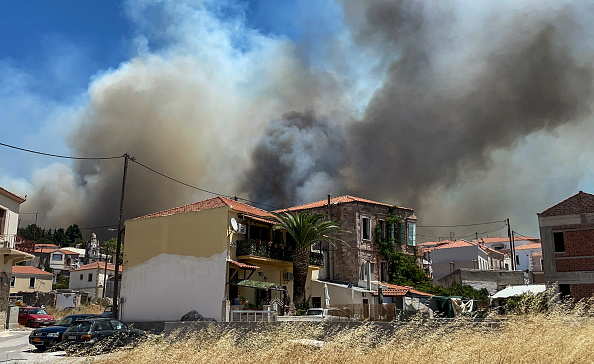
point(41, 347)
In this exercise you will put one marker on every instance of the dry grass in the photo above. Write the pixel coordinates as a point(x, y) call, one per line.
point(551, 338)
point(89, 309)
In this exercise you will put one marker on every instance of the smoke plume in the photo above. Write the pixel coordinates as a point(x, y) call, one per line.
point(448, 109)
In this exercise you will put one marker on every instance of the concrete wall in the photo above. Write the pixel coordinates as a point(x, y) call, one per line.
point(174, 264)
point(21, 283)
point(462, 257)
point(339, 294)
point(492, 280)
point(94, 287)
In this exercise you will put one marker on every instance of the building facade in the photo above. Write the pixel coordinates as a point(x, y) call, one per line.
point(567, 236)
point(358, 262)
point(91, 278)
point(30, 279)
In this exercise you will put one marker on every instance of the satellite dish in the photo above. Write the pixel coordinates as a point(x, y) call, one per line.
point(234, 224)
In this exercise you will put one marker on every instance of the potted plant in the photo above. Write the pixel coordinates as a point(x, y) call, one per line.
point(241, 300)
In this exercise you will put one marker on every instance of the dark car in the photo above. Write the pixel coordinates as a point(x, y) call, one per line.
point(35, 317)
point(107, 312)
point(88, 332)
point(51, 335)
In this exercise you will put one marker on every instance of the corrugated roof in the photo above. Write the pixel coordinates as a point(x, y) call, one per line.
point(336, 201)
point(25, 269)
point(212, 203)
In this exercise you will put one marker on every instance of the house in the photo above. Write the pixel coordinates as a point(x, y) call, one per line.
point(393, 293)
point(201, 254)
point(30, 279)
point(502, 243)
point(13, 249)
point(491, 280)
point(358, 262)
point(567, 236)
point(523, 253)
point(91, 278)
point(447, 256)
point(60, 260)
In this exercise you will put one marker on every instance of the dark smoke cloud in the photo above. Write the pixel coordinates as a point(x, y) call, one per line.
point(297, 159)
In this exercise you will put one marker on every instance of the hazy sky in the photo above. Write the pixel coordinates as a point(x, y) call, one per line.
point(467, 111)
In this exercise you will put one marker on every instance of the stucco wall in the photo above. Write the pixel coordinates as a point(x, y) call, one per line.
point(12, 218)
point(174, 264)
point(462, 257)
point(21, 284)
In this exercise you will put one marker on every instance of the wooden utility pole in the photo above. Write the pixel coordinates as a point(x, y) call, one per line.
point(119, 244)
point(511, 245)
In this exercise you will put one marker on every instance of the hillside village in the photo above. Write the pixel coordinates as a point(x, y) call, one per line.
point(222, 258)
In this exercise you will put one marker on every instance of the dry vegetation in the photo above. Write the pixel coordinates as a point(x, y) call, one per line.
point(60, 313)
point(555, 337)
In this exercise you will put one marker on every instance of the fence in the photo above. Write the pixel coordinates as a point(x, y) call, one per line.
point(371, 312)
point(252, 316)
point(16, 242)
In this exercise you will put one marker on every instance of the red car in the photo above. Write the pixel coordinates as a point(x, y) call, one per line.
point(35, 317)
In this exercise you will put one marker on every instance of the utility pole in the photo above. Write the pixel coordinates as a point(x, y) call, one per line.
point(105, 271)
point(119, 244)
point(511, 245)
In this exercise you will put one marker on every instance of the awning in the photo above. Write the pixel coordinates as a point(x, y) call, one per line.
point(243, 265)
point(258, 284)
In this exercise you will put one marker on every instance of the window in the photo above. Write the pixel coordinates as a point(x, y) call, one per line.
point(564, 290)
point(57, 257)
point(32, 282)
point(366, 222)
point(402, 233)
point(412, 228)
point(12, 281)
point(382, 224)
point(559, 242)
point(81, 277)
point(517, 260)
point(90, 279)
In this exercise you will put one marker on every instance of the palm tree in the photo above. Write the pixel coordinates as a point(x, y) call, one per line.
point(306, 230)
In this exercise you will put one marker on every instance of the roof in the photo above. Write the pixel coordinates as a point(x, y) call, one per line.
point(212, 203)
point(257, 284)
point(243, 265)
point(510, 291)
point(53, 250)
point(449, 244)
point(529, 246)
point(506, 239)
point(97, 265)
point(337, 201)
point(389, 289)
point(12, 196)
point(580, 203)
point(46, 246)
point(25, 269)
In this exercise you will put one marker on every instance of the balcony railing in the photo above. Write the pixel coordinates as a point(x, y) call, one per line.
point(273, 251)
point(16, 242)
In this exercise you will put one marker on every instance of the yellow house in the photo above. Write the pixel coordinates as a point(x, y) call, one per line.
point(30, 279)
point(196, 256)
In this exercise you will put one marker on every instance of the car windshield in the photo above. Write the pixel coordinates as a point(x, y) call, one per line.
point(37, 311)
point(314, 312)
point(68, 320)
point(83, 326)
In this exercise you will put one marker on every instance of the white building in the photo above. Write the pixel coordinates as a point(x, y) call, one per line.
point(90, 278)
point(523, 253)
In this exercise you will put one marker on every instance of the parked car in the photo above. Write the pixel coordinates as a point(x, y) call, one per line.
point(329, 314)
point(110, 331)
point(35, 317)
point(49, 336)
point(107, 312)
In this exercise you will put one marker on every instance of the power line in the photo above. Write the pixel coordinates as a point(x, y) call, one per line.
point(57, 155)
point(98, 227)
point(460, 225)
point(198, 188)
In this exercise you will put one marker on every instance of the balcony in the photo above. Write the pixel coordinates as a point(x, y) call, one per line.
point(17, 243)
point(274, 251)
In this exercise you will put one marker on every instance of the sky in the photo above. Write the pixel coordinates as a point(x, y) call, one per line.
point(467, 112)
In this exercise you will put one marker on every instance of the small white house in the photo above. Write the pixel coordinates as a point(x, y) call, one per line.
point(90, 278)
point(523, 253)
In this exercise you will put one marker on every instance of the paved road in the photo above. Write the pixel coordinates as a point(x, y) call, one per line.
point(15, 348)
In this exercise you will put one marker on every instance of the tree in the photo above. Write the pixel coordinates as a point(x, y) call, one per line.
point(73, 235)
point(60, 237)
point(306, 230)
point(109, 248)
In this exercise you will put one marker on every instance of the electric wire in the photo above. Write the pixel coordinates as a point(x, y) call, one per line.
point(58, 155)
point(459, 225)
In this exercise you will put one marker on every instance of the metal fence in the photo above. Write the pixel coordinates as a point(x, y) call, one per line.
point(252, 316)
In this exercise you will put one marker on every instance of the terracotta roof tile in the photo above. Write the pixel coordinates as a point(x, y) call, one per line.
point(243, 265)
point(506, 239)
point(389, 289)
point(529, 246)
point(97, 265)
point(580, 203)
point(25, 269)
point(212, 203)
point(336, 201)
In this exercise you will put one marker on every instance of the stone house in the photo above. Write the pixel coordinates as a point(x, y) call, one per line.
point(567, 236)
point(358, 262)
